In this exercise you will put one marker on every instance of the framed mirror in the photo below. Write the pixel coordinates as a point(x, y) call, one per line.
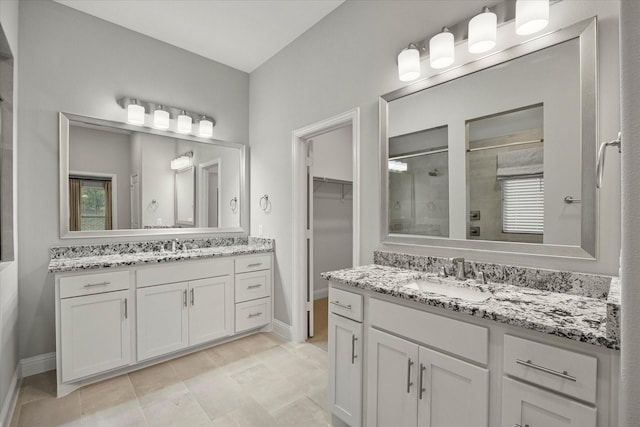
point(123, 180)
point(497, 154)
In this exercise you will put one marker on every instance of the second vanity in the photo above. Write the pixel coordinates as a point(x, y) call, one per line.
point(120, 308)
point(409, 347)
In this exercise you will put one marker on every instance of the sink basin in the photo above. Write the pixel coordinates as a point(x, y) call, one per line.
point(436, 286)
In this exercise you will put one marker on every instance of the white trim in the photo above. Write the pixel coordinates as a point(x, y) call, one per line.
point(351, 117)
point(320, 293)
point(38, 364)
point(11, 399)
point(282, 330)
point(203, 191)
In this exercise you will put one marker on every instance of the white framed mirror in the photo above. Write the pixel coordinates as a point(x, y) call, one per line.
point(519, 129)
point(122, 180)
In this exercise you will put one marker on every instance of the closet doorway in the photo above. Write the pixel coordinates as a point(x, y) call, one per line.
point(326, 215)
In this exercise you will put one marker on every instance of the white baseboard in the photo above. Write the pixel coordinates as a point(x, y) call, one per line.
point(320, 293)
point(9, 404)
point(282, 330)
point(38, 364)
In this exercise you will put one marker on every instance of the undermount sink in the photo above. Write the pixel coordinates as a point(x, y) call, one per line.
point(436, 286)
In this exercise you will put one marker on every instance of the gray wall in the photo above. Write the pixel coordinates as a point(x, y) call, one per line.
point(9, 270)
point(347, 60)
point(75, 63)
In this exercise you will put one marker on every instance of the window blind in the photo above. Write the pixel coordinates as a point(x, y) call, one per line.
point(523, 205)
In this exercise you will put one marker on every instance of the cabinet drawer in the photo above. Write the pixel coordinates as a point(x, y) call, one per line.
point(252, 314)
point(561, 370)
point(345, 304)
point(250, 286)
point(253, 263)
point(183, 271)
point(96, 283)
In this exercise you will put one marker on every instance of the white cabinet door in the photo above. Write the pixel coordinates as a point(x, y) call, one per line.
point(451, 393)
point(530, 406)
point(211, 305)
point(162, 319)
point(391, 382)
point(345, 367)
point(95, 334)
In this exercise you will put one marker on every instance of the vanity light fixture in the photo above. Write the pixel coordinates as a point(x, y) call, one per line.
point(184, 123)
point(182, 161)
point(397, 166)
point(205, 127)
point(531, 16)
point(441, 49)
point(409, 63)
point(135, 113)
point(483, 30)
point(161, 118)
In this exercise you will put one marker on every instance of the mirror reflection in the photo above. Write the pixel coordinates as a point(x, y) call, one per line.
point(419, 183)
point(121, 179)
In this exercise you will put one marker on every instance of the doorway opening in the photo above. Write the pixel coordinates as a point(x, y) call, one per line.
point(326, 216)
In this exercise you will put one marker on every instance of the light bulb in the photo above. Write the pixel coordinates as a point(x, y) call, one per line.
point(531, 16)
point(184, 123)
point(441, 49)
point(205, 127)
point(161, 118)
point(483, 29)
point(135, 113)
point(409, 64)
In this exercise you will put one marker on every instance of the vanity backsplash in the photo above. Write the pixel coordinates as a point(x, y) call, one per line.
point(589, 285)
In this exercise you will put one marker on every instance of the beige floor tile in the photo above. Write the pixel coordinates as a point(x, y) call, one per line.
point(302, 412)
point(127, 414)
point(192, 365)
point(64, 411)
point(255, 375)
point(273, 395)
point(175, 409)
point(38, 386)
point(153, 378)
point(227, 353)
point(106, 394)
point(259, 342)
point(248, 415)
point(218, 394)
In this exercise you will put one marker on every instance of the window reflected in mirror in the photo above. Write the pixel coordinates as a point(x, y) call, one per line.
point(506, 195)
point(419, 183)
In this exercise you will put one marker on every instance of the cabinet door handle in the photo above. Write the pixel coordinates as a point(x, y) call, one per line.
point(519, 425)
point(184, 297)
point(93, 285)
point(409, 383)
point(420, 383)
point(259, 313)
point(254, 286)
point(564, 374)
point(348, 307)
point(126, 310)
point(255, 264)
point(192, 297)
point(353, 349)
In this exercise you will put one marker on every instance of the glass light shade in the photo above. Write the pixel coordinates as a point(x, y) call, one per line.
point(483, 29)
point(135, 114)
point(161, 119)
point(409, 64)
point(205, 128)
point(184, 123)
point(181, 162)
point(441, 50)
point(397, 166)
point(531, 16)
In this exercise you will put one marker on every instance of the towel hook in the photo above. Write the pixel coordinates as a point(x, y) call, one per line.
point(234, 204)
point(264, 202)
point(601, 156)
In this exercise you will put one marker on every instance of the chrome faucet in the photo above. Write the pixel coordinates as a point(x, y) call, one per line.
point(460, 273)
point(174, 244)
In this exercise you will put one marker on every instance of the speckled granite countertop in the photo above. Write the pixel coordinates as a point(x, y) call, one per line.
point(566, 315)
point(88, 257)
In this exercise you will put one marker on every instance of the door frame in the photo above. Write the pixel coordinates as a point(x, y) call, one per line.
point(203, 190)
point(300, 190)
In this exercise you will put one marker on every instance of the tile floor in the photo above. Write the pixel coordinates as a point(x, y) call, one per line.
point(255, 381)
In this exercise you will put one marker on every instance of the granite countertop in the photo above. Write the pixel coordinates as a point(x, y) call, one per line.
point(87, 261)
point(566, 315)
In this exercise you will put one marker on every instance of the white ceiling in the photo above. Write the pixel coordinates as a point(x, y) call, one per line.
point(242, 34)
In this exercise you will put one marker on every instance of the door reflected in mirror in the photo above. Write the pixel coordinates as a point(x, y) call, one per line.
point(505, 171)
point(419, 183)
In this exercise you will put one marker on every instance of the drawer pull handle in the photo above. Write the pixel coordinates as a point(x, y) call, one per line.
point(409, 383)
point(126, 311)
point(254, 286)
point(519, 425)
point(563, 374)
point(93, 285)
point(348, 307)
point(184, 297)
point(420, 383)
point(353, 349)
point(259, 313)
point(192, 297)
point(255, 264)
